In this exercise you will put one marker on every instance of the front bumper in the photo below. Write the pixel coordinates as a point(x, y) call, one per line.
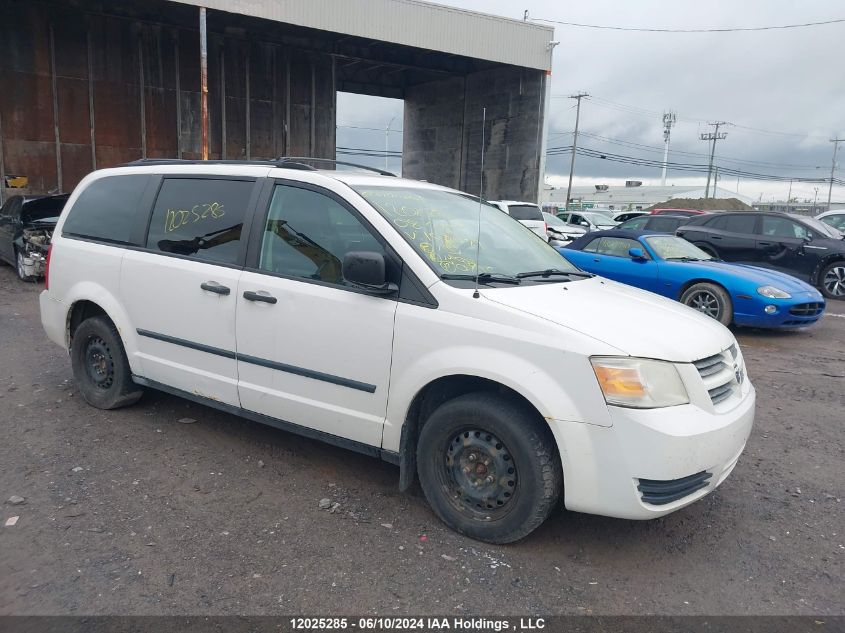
point(800, 310)
point(604, 467)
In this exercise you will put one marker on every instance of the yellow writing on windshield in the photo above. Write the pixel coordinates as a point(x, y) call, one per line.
point(176, 218)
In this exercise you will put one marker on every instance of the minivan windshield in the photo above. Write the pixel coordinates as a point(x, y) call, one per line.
point(443, 227)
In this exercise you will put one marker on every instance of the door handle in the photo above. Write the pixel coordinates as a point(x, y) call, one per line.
point(213, 286)
point(249, 295)
point(715, 237)
point(596, 259)
point(766, 243)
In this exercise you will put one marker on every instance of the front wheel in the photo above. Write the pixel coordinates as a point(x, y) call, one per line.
point(711, 300)
point(832, 280)
point(100, 366)
point(20, 269)
point(488, 467)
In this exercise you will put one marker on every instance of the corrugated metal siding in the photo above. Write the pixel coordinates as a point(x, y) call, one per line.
point(409, 22)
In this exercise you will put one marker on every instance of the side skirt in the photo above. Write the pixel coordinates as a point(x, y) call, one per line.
point(359, 447)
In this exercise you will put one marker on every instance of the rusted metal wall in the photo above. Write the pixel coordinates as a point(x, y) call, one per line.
point(81, 91)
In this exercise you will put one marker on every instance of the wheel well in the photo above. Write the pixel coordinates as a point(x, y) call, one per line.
point(817, 274)
point(428, 399)
point(80, 311)
point(692, 282)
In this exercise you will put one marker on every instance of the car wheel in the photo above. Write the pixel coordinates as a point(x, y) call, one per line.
point(100, 366)
point(708, 249)
point(711, 300)
point(488, 467)
point(832, 280)
point(19, 268)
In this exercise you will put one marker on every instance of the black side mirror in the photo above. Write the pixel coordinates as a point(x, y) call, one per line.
point(367, 270)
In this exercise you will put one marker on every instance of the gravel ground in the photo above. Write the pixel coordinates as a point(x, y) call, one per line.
point(139, 511)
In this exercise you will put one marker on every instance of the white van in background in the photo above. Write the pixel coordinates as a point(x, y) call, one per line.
point(527, 213)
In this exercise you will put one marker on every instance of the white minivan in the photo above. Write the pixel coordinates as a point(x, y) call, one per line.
point(370, 312)
point(528, 214)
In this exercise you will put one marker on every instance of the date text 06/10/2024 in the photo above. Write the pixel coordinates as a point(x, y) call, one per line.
point(416, 624)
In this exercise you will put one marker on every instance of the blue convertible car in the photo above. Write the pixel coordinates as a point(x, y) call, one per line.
point(674, 268)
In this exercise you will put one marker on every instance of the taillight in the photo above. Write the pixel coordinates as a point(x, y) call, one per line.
point(546, 224)
point(47, 268)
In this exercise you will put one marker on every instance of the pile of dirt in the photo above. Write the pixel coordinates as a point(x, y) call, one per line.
point(702, 204)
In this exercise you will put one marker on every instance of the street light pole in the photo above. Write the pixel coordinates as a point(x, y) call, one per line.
point(577, 98)
point(836, 142)
point(387, 141)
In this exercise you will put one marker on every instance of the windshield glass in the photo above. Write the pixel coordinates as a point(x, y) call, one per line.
point(47, 208)
point(599, 219)
point(821, 227)
point(443, 227)
point(671, 247)
point(553, 220)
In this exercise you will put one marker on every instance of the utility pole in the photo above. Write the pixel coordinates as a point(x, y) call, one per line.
point(712, 136)
point(668, 122)
point(836, 142)
point(577, 98)
point(387, 141)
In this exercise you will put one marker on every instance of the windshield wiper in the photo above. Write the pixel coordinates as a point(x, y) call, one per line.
point(554, 271)
point(483, 278)
point(684, 259)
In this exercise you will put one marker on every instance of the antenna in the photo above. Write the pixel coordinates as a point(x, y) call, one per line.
point(475, 294)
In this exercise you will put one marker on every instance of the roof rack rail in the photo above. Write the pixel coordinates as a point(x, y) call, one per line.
point(187, 161)
point(295, 160)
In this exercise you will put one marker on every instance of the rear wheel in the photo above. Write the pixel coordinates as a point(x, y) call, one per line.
point(488, 467)
point(832, 280)
point(711, 300)
point(100, 366)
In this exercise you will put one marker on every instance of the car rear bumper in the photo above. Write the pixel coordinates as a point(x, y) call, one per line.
point(53, 315)
point(651, 462)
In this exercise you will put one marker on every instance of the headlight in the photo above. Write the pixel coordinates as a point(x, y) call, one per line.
point(639, 383)
point(773, 293)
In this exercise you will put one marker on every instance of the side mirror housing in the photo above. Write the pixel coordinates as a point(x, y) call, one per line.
point(637, 254)
point(367, 270)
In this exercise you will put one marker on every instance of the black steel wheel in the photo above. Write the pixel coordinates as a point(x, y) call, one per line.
point(832, 280)
point(100, 366)
point(711, 300)
point(489, 467)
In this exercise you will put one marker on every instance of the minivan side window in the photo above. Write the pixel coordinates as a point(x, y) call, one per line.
point(308, 234)
point(525, 212)
point(200, 218)
point(107, 209)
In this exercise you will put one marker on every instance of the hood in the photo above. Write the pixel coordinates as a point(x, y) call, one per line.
point(636, 322)
point(759, 276)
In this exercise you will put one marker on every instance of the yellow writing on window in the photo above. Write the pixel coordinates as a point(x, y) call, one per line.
point(176, 218)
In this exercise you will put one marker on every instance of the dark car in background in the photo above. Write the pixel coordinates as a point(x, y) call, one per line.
point(797, 245)
point(686, 212)
point(26, 228)
point(662, 223)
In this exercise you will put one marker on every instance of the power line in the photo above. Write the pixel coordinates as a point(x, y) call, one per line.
point(712, 30)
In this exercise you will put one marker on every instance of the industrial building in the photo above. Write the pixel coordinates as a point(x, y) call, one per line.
point(87, 84)
point(630, 197)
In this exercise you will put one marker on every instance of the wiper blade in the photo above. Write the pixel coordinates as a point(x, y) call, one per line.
point(684, 259)
point(554, 271)
point(483, 278)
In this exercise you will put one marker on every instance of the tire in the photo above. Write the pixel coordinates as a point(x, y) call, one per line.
point(521, 480)
point(832, 280)
point(19, 268)
point(708, 249)
point(711, 300)
point(100, 366)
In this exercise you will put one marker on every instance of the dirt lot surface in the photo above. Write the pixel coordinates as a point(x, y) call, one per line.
point(135, 512)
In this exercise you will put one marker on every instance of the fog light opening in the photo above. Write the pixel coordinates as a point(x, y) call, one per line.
point(770, 309)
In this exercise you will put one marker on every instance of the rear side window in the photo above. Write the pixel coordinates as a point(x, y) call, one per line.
point(106, 209)
point(720, 223)
point(635, 223)
point(668, 225)
point(740, 223)
point(200, 218)
point(525, 212)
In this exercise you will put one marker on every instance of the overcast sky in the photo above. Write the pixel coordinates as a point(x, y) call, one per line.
point(790, 83)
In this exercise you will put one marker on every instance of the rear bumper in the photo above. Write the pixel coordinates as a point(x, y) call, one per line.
point(53, 318)
point(651, 462)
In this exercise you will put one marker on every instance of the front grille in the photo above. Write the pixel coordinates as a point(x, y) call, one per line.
point(807, 309)
point(721, 374)
point(659, 492)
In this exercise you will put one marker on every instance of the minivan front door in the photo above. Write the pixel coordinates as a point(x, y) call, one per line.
point(312, 350)
point(180, 291)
